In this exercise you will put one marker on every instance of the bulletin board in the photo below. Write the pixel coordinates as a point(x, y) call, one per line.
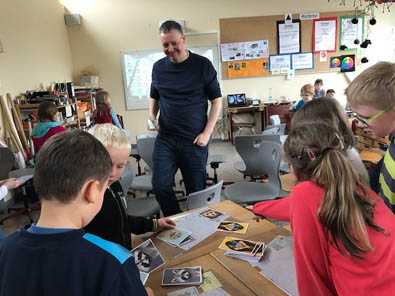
point(265, 28)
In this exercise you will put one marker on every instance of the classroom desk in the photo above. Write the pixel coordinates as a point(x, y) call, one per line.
point(175, 256)
point(207, 255)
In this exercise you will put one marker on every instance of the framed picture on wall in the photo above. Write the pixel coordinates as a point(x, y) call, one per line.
point(288, 37)
point(301, 61)
point(350, 32)
point(325, 34)
point(279, 63)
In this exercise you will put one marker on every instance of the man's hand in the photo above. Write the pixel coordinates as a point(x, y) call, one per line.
point(166, 223)
point(153, 125)
point(11, 183)
point(202, 139)
point(149, 291)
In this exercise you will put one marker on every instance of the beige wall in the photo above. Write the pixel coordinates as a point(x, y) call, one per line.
point(110, 27)
point(36, 45)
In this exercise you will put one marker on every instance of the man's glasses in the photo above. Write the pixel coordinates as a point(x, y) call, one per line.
point(368, 120)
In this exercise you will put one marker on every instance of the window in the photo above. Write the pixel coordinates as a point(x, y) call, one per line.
point(137, 68)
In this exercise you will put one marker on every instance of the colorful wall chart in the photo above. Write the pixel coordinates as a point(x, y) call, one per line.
point(248, 68)
point(347, 63)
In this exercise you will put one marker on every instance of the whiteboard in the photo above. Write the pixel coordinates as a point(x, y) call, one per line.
point(137, 70)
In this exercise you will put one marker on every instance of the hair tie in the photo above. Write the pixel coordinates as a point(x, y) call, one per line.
point(326, 150)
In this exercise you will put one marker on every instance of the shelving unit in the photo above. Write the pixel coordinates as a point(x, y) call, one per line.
point(86, 95)
point(26, 109)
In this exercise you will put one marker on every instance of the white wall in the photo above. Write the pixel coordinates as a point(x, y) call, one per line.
point(112, 26)
point(36, 45)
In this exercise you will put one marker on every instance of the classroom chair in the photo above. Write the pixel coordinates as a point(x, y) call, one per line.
point(267, 159)
point(145, 149)
point(278, 129)
point(205, 197)
point(248, 148)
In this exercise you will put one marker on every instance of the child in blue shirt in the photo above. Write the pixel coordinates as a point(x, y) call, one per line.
point(55, 256)
point(307, 93)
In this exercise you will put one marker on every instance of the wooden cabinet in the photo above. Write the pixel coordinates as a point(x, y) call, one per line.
point(282, 110)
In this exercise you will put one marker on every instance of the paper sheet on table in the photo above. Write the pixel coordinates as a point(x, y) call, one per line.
point(200, 227)
point(174, 236)
point(215, 292)
point(191, 291)
point(24, 179)
point(278, 264)
point(210, 282)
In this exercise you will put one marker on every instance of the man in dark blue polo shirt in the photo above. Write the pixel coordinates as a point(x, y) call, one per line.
point(182, 85)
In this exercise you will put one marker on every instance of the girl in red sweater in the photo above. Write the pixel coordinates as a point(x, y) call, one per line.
point(343, 234)
point(328, 111)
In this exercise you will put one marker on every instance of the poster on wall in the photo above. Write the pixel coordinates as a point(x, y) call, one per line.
point(350, 32)
point(325, 34)
point(232, 51)
point(256, 49)
point(302, 61)
point(280, 63)
point(347, 63)
point(288, 37)
point(248, 68)
point(335, 62)
point(248, 50)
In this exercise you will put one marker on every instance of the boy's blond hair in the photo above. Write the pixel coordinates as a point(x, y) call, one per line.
point(374, 87)
point(307, 89)
point(110, 135)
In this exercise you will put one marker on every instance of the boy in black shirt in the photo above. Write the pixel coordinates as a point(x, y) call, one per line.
point(112, 222)
point(55, 256)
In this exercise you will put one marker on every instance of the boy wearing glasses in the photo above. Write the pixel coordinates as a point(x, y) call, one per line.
point(372, 96)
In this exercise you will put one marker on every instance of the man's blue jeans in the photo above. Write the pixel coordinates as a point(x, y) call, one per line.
point(171, 154)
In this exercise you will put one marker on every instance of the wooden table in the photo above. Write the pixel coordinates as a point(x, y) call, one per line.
point(372, 155)
point(288, 181)
point(237, 277)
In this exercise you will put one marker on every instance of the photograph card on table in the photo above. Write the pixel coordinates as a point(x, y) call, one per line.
point(232, 226)
point(147, 257)
point(211, 214)
point(182, 276)
point(239, 245)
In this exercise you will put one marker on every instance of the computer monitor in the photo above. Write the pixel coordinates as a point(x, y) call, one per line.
point(236, 100)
